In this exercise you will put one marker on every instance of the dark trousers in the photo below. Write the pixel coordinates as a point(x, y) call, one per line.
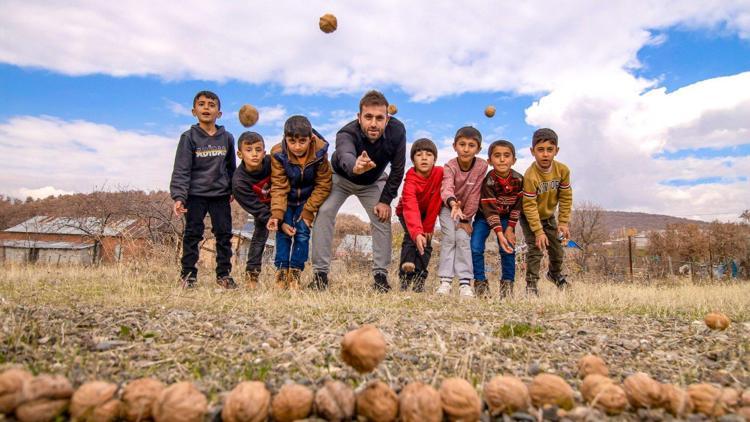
point(534, 255)
point(221, 226)
point(257, 246)
point(409, 253)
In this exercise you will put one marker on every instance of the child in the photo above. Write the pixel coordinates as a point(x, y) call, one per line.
point(417, 211)
point(462, 181)
point(251, 187)
point(300, 182)
point(202, 183)
point(545, 184)
point(501, 209)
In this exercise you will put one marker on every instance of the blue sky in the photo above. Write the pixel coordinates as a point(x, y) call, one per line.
point(651, 113)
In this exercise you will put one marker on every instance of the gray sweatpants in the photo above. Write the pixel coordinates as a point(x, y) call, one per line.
point(325, 221)
point(455, 250)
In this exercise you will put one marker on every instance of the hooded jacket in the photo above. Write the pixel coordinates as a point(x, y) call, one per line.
point(294, 183)
point(420, 201)
point(390, 148)
point(203, 164)
point(252, 189)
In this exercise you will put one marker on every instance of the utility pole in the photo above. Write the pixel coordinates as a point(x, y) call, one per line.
point(630, 256)
point(710, 259)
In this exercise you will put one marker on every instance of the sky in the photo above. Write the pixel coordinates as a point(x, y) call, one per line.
point(650, 99)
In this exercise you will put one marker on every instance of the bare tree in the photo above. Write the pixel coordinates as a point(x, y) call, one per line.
point(745, 216)
point(587, 229)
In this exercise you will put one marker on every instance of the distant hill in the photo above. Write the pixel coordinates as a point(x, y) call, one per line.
point(616, 220)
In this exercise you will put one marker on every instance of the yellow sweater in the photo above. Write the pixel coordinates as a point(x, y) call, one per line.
point(543, 191)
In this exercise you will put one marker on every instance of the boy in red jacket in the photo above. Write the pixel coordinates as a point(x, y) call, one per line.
point(417, 211)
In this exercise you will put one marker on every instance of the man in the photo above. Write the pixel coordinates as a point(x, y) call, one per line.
point(364, 147)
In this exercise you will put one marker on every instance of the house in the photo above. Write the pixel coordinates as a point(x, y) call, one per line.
point(240, 246)
point(68, 240)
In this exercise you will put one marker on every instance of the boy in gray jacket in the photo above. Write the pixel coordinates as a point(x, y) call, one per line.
point(202, 183)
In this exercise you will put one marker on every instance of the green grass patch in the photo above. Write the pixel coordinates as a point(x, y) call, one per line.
point(520, 329)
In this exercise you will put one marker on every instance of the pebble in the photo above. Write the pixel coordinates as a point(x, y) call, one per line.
point(731, 418)
point(109, 345)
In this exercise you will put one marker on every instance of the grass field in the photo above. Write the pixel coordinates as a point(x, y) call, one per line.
point(122, 322)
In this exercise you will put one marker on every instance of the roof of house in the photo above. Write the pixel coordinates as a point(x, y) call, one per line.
point(83, 226)
point(40, 244)
point(246, 232)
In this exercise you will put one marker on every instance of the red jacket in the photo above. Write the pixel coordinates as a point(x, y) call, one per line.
point(420, 201)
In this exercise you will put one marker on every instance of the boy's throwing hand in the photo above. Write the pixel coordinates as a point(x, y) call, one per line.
point(510, 235)
point(456, 213)
point(363, 164)
point(273, 224)
point(288, 230)
point(465, 227)
point(178, 208)
point(564, 231)
point(504, 242)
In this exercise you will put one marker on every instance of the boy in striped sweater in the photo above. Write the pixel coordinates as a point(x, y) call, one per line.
point(545, 185)
point(462, 182)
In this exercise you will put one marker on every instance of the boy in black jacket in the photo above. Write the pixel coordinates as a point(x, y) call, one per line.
point(202, 183)
point(251, 186)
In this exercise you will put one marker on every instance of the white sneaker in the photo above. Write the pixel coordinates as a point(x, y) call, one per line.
point(465, 291)
point(445, 288)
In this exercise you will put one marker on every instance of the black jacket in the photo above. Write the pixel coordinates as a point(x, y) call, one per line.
point(203, 164)
point(252, 190)
point(389, 149)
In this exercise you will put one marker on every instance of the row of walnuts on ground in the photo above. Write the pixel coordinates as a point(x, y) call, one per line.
point(45, 397)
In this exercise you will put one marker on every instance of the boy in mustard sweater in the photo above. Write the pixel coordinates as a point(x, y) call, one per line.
point(545, 185)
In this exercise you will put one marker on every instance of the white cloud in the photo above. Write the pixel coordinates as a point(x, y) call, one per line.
point(178, 108)
point(42, 192)
point(46, 155)
point(428, 49)
point(272, 115)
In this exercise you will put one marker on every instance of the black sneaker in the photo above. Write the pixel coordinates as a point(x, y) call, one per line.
point(559, 281)
point(226, 281)
point(531, 288)
point(481, 288)
point(381, 283)
point(320, 281)
point(406, 280)
point(188, 281)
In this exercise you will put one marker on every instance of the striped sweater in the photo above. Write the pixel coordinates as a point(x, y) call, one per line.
point(463, 186)
point(543, 191)
point(501, 197)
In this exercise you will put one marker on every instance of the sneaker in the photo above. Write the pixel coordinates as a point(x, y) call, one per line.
point(445, 288)
point(481, 288)
point(465, 291)
point(226, 281)
point(188, 281)
point(381, 283)
point(320, 281)
point(251, 279)
point(506, 289)
point(406, 279)
point(295, 275)
point(281, 278)
point(531, 288)
point(559, 281)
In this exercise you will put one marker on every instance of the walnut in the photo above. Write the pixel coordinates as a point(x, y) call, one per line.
point(138, 398)
point(335, 401)
point(11, 387)
point(328, 23)
point(460, 400)
point(392, 109)
point(420, 402)
point(364, 348)
point(44, 398)
point(180, 402)
point(745, 401)
point(591, 364)
point(249, 401)
point(730, 399)
point(676, 400)
point(601, 392)
point(95, 401)
point(248, 115)
point(489, 111)
point(506, 394)
point(706, 399)
point(377, 402)
point(41, 410)
point(548, 389)
point(716, 321)
point(292, 402)
point(643, 391)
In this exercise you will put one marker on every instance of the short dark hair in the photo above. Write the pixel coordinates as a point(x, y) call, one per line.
point(542, 135)
point(469, 132)
point(208, 94)
point(373, 98)
point(502, 143)
point(423, 144)
point(250, 138)
point(297, 127)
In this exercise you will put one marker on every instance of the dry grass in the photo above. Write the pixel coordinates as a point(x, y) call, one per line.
point(122, 322)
